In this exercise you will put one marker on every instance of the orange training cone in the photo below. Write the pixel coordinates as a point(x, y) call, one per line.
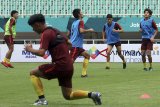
point(145, 96)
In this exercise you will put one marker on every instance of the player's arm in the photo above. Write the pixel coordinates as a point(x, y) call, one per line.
point(155, 28)
point(82, 30)
point(68, 33)
point(118, 28)
point(103, 34)
point(46, 38)
point(155, 33)
point(5, 27)
point(12, 22)
point(67, 39)
point(140, 30)
point(68, 42)
point(38, 52)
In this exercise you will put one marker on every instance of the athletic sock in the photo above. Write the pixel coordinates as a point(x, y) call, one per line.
point(144, 64)
point(37, 85)
point(79, 94)
point(85, 65)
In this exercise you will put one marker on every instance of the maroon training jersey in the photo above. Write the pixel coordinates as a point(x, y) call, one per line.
point(59, 53)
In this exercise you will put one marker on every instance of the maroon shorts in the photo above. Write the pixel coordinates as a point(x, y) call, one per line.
point(146, 44)
point(116, 44)
point(8, 39)
point(62, 73)
point(75, 52)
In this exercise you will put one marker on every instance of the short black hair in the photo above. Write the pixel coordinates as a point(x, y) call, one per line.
point(13, 12)
point(109, 16)
point(36, 18)
point(149, 11)
point(76, 12)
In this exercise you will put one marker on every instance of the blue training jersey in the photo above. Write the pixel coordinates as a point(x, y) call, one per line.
point(112, 37)
point(76, 37)
point(147, 28)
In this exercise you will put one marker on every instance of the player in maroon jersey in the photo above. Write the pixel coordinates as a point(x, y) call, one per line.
point(61, 67)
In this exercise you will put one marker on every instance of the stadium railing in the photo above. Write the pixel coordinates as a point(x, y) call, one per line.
point(86, 41)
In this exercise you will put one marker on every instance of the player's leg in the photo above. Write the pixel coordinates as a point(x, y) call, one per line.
point(148, 52)
point(85, 62)
point(43, 71)
point(10, 51)
point(10, 45)
point(81, 94)
point(108, 52)
point(68, 94)
point(65, 81)
point(75, 52)
point(143, 53)
point(37, 84)
point(119, 49)
point(6, 60)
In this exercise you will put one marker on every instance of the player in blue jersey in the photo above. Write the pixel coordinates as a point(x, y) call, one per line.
point(110, 35)
point(149, 30)
point(76, 38)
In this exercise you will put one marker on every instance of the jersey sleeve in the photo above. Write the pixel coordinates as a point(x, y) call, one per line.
point(81, 24)
point(117, 26)
point(12, 22)
point(47, 37)
point(154, 25)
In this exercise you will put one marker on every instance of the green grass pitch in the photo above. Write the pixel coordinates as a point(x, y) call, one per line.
point(119, 88)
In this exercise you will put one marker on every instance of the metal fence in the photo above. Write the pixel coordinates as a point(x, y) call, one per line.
point(86, 41)
point(63, 8)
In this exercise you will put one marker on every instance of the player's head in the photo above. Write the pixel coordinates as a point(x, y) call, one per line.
point(14, 14)
point(147, 13)
point(109, 18)
point(77, 13)
point(37, 21)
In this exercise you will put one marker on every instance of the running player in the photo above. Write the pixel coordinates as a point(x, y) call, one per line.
point(110, 34)
point(76, 38)
point(61, 67)
point(149, 30)
point(10, 34)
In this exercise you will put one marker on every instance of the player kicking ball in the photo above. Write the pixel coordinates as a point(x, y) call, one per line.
point(149, 30)
point(61, 67)
point(110, 34)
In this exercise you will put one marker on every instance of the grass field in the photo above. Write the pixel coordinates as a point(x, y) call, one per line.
point(119, 88)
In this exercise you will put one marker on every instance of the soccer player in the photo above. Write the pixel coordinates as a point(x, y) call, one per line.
point(76, 38)
point(148, 31)
point(61, 67)
point(110, 34)
point(10, 34)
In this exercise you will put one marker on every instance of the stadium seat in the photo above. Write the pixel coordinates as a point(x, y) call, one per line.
point(63, 8)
